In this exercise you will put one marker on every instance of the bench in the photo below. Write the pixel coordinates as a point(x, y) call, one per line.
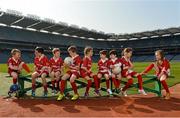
point(80, 84)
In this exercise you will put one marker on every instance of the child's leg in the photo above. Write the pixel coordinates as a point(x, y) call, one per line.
point(57, 78)
point(139, 77)
point(43, 76)
point(118, 80)
point(15, 77)
point(73, 84)
point(63, 83)
point(88, 84)
point(52, 75)
point(114, 81)
point(106, 76)
point(128, 84)
point(96, 80)
point(34, 76)
point(163, 82)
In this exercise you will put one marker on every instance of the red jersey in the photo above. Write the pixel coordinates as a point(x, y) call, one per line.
point(41, 62)
point(14, 63)
point(56, 64)
point(125, 63)
point(115, 62)
point(76, 62)
point(87, 63)
point(164, 67)
point(103, 65)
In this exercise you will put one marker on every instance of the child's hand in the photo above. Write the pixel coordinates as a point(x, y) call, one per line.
point(112, 66)
point(142, 73)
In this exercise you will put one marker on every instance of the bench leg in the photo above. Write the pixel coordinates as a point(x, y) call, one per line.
point(21, 85)
point(158, 88)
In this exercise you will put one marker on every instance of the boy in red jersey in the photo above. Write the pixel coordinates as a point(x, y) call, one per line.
point(86, 71)
point(116, 77)
point(41, 63)
point(73, 74)
point(129, 73)
point(103, 70)
point(15, 65)
point(56, 66)
point(162, 69)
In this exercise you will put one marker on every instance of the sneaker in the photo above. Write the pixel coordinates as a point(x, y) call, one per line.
point(75, 97)
point(142, 92)
point(97, 92)
point(45, 94)
point(33, 94)
point(123, 92)
point(109, 91)
point(167, 97)
point(86, 95)
point(60, 97)
point(54, 92)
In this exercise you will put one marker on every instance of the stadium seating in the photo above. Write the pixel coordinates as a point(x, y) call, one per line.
point(27, 40)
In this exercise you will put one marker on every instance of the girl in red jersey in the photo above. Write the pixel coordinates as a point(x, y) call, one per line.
point(103, 70)
point(56, 66)
point(15, 65)
point(129, 73)
point(162, 69)
point(86, 71)
point(72, 74)
point(41, 64)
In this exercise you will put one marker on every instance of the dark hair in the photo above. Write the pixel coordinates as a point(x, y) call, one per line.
point(87, 50)
point(114, 52)
point(14, 51)
point(73, 49)
point(127, 50)
point(104, 52)
point(40, 50)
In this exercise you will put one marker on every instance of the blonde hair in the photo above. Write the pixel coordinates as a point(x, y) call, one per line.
point(14, 51)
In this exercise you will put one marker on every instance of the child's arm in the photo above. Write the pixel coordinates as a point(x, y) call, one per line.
point(148, 69)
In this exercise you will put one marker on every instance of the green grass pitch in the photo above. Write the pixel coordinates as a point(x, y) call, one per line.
point(5, 82)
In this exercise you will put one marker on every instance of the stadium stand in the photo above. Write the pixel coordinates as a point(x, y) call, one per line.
point(27, 32)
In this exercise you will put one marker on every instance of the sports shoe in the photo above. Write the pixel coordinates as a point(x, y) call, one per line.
point(109, 91)
point(86, 95)
point(45, 94)
point(33, 94)
point(60, 97)
point(97, 92)
point(54, 92)
point(123, 92)
point(142, 92)
point(75, 97)
point(167, 97)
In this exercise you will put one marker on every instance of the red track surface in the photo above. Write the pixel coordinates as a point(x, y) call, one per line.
point(138, 106)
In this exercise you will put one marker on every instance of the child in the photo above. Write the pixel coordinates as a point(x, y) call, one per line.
point(15, 65)
point(103, 70)
point(162, 68)
point(116, 77)
point(73, 74)
point(56, 64)
point(86, 71)
point(41, 63)
point(129, 73)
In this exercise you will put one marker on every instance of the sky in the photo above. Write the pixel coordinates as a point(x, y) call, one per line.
point(109, 16)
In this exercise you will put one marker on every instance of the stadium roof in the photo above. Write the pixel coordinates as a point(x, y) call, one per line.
point(15, 18)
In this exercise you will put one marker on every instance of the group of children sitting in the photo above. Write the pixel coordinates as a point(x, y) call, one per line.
point(114, 68)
